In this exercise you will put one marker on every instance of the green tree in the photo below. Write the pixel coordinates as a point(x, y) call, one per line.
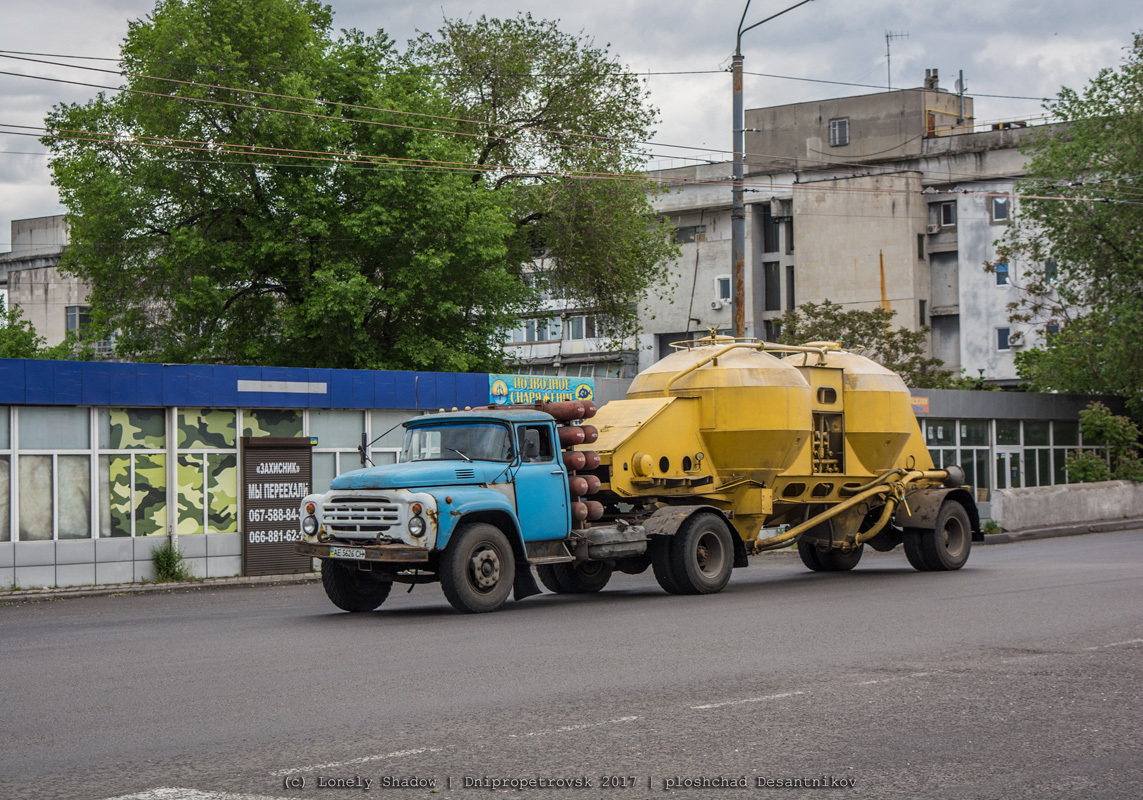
point(872, 333)
point(310, 214)
point(18, 337)
point(1118, 438)
point(559, 126)
point(1078, 233)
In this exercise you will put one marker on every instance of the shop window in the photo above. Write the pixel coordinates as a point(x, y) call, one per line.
point(55, 497)
point(285, 422)
point(338, 437)
point(1007, 432)
point(207, 471)
point(133, 484)
point(940, 433)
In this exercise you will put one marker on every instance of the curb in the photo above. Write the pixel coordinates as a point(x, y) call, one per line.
point(1077, 529)
point(21, 595)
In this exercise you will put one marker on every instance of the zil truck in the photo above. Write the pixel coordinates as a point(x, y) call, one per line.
point(725, 449)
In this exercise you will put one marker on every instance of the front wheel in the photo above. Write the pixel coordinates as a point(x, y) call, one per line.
point(477, 569)
point(702, 555)
point(352, 589)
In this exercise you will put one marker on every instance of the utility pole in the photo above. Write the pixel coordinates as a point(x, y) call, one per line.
point(738, 211)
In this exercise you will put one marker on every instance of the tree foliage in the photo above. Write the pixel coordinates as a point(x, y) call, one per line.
point(262, 192)
point(871, 333)
point(1078, 234)
point(18, 337)
point(1119, 439)
point(549, 114)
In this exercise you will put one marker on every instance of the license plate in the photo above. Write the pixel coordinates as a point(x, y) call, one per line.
point(347, 552)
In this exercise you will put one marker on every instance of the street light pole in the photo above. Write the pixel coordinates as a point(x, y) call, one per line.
point(738, 210)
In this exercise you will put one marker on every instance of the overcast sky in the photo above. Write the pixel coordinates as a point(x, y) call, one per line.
point(1008, 48)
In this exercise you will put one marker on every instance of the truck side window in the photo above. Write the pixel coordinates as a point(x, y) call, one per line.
point(540, 434)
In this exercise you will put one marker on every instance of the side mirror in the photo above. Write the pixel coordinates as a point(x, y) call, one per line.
point(531, 448)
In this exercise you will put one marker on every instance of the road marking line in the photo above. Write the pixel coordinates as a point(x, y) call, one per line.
point(281, 773)
point(1116, 644)
point(748, 700)
point(569, 728)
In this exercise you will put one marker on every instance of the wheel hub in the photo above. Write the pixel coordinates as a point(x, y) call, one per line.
point(486, 568)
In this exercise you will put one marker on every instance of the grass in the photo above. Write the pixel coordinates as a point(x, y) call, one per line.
point(169, 564)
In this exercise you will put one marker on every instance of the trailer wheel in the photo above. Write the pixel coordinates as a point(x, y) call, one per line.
point(477, 569)
point(661, 564)
point(914, 551)
point(582, 578)
point(702, 555)
point(832, 560)
point(947, 546)
point(351, 589)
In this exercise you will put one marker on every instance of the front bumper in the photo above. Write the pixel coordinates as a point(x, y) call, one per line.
point(389, 553)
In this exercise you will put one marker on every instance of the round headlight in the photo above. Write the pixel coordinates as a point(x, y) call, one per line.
point(309, 525)
point(417, 526)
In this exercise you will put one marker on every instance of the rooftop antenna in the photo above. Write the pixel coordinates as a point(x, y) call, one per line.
point(889, 37)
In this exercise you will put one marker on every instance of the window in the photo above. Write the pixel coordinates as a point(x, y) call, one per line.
point(541, 434)
point(1003, 338)
point(948, 214)
point(206, 471)
point(580, 328)
point(769, 231)
point(722, 288)
point(922, 307)
point(1050, 268)
point(772, 279)
point(921, 246)
point(1002, 275)
point(684, 234)
point(1051, 329)
point(133, 471)
point(839, 132)
point(790, 287)
point(999, 208)
point(77, 317)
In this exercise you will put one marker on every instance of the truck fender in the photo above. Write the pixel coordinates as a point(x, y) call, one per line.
point(667, 520)
point(920, 509)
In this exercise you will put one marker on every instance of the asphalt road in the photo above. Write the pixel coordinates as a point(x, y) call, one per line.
point(1016, 677)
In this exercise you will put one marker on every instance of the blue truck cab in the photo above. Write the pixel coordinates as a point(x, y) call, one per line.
point(476, 498)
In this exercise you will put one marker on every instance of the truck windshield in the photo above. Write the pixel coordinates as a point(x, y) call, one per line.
point(471, 442)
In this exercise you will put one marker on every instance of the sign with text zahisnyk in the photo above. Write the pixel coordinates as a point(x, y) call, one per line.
point(277, 473)
point(506, 390)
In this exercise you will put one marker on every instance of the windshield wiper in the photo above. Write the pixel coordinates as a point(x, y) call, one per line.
point(462, 455)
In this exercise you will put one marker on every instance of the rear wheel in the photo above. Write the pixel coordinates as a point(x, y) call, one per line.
point(913, 550)
point(702, 555)
point(661, 564)
point(582, 578)
point(947, 546)
point(351, 589)
point(831, 560)
point(477, 569)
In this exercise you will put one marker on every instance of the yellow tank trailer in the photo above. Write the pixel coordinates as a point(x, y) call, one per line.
point(724, 449)
point(809, 444)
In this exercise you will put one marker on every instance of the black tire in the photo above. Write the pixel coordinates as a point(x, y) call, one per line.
point(351, 589)
point(661, 565)
point(913, 550)
point(477, 569)
point(832, 560)
point(702, 555)
point(947, 546)
point(809, 555)
point(550, 578)
point(585, 577)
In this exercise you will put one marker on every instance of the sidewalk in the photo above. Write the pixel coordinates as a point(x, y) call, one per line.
point(18, 595)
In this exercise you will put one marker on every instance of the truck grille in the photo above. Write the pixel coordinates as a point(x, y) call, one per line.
point(357, 516)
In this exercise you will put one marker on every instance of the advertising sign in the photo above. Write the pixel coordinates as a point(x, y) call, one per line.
point(527, 389)
point(276, 475)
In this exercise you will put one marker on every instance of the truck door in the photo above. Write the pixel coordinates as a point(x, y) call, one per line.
point(541, 485)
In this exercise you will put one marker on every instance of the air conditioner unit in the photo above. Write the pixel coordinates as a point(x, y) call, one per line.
point(715, 305)
point(935, 228)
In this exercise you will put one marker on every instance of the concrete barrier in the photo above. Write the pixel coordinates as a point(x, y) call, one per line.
point(1049, 506)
